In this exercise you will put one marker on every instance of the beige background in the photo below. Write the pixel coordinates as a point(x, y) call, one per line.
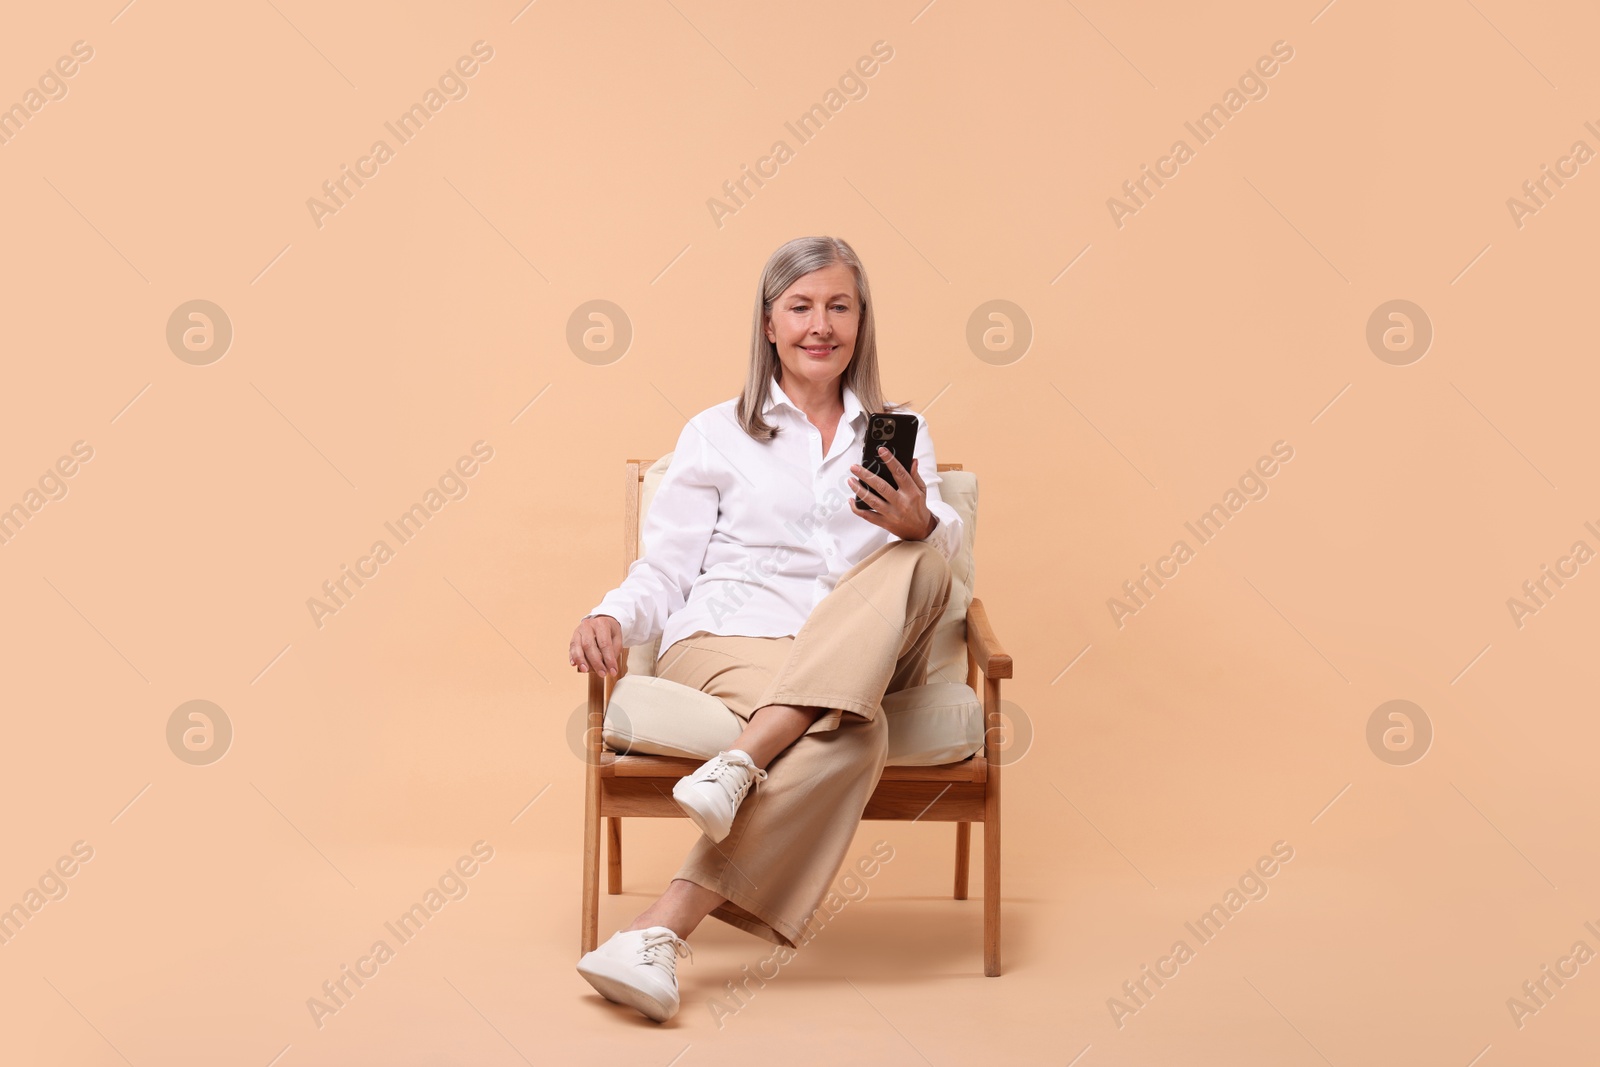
point(430, 312)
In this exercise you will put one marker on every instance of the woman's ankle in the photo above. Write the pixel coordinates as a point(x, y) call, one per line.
point(642, 923)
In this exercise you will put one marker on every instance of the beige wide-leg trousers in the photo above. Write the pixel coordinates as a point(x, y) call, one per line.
point(869, 636)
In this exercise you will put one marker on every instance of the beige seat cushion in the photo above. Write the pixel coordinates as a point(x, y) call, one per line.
point(928, 725)
point(940, 722)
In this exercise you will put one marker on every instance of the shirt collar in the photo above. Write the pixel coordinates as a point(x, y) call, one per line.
point(776, 397)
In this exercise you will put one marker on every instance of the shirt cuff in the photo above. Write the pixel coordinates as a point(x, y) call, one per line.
point(944, 538)
point(621, 614)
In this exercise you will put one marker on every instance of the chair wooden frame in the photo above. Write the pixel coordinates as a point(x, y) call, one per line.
point(618, 786)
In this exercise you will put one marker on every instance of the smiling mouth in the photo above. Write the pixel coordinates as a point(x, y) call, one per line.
point(823, 351)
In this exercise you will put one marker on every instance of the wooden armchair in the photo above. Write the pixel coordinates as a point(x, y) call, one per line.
point(617, 786)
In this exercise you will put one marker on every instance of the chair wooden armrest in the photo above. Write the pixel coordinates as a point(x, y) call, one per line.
point(992, 660)
point(599, 697)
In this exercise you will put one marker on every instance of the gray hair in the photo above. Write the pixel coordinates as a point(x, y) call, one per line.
point(787, 265)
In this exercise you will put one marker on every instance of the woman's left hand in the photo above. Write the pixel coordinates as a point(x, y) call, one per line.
point(903, 511)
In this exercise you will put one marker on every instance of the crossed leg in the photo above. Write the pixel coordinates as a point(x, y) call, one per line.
point(769, 731)
point(846, 653)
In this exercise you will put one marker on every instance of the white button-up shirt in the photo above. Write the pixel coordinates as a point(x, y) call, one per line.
point(746, 537)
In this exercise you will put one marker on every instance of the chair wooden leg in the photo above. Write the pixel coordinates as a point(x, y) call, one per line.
point(963, 857)
point(590, 924)
point(614, 856)
point(991, 891)
point(991, 836)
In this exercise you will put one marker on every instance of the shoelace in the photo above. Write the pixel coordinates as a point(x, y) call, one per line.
point(722, 771)
point(661, 947)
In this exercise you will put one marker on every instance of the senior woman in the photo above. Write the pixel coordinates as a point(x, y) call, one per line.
point(772, 591)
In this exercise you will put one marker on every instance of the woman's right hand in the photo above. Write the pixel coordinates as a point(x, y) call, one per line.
point(596, 644)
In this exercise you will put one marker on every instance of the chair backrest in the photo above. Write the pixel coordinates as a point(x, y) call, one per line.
point(947, 662)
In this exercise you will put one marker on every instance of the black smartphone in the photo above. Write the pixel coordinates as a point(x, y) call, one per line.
point(898, 433)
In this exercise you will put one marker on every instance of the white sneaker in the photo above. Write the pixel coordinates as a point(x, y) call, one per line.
point(638, 968)
point(711, 794)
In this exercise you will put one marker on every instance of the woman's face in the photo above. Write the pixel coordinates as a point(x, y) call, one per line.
point(813, 324)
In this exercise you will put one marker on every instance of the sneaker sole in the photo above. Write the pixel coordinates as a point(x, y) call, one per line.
point(615, 987)
point(697, 817)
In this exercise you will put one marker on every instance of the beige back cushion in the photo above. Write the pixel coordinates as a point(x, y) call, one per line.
point(948, 661)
